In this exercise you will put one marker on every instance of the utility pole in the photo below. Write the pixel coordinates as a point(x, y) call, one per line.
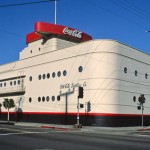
point(55, 10)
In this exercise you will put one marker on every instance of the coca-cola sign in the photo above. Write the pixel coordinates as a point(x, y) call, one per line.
point(74, 33)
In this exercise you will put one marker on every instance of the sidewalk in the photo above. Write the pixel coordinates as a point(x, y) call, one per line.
point(6, 122)
point(91, 129)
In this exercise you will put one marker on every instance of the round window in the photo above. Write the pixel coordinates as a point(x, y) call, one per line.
point(44, 76)
point(125, 70)
point(18, 82)
point(64, 73)
point(39, 77)
point(146, 76)
point(48, 76)
point(58, 97)
point(80, 69)
point(11, 82)
point(43, 98)
point(53, 74)
point(47, 98)
point(53, 98)
point(39, 99)
point(59, 74)
point(30, 78)
point(134, 99)
point(30, 99)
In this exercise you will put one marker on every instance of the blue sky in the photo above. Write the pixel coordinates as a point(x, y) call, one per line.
point(122, 20)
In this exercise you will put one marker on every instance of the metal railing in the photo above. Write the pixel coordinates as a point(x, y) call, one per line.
point(12, 89)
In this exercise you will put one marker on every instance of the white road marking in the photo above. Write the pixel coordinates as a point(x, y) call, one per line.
point(44, 149)
point(20, 133)
point(144, 135)
point(26, 132)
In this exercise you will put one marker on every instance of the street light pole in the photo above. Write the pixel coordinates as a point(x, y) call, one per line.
point(55, 10)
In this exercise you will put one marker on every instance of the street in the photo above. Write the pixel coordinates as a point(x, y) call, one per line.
point(35, 138)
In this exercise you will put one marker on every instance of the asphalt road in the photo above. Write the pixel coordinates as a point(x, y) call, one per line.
point(33, 138)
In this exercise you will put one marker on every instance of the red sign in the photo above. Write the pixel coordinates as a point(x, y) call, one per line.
point(45, 29)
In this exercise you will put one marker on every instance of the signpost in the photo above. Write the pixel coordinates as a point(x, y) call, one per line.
point(141, 106)
point(80, 95)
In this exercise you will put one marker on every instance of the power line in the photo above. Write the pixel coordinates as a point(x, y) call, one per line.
point(114, 13)
point(12, 33)
point(20, 4)
point(144, 12)
point(29, 3)
point(131, 9)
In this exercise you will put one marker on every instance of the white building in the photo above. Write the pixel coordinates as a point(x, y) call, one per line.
point(57, 60)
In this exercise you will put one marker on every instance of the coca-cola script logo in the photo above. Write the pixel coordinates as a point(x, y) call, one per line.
point(75, 33)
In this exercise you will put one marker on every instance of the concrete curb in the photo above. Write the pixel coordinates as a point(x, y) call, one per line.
point(86, 128)
point(7, 123)
point(144, 129)
point(59, 128)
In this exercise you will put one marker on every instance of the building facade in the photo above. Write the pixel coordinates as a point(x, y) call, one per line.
point(57, 60)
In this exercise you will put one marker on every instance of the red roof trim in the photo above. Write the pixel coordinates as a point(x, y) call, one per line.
point(32, 37)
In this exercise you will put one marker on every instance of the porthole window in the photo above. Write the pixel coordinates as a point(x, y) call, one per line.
point(146, 76)
point(47, 98)
point(44, 76)
point(39, 99)
point(136, 73)
point(18, 82)
point(134, 99)
point(48, 76)
point(53, 98)
point(5, 84)
point(10, 83)
point(64, 73)
point(80, 69)
point(59, 74)
point(31, 51)
point(53, 74)
point(43, 98)
point(58, 98)
point(14, 82)
point(30, 99)
point(39, 77)
point(125, 70)
point(1, 85)
point(30, 78)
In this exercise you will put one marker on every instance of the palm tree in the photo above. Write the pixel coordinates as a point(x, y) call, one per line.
point(8, 103)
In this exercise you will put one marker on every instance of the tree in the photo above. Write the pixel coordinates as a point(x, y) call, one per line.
point(8, 103)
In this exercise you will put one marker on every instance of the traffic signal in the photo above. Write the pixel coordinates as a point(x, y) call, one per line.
point(88, 106)
point(80, 95)
point(139, 107)
point(142, 99)
point(81, 105)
